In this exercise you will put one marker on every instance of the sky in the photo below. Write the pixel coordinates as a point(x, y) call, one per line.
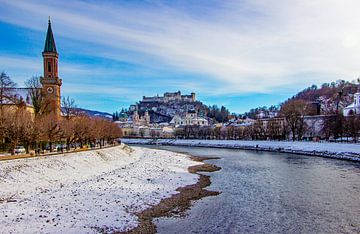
point(241, 54)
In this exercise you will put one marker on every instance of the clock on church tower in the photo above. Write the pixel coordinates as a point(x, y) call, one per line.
point(51, 83)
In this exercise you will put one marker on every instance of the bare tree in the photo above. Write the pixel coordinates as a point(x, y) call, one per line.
point(142, 132)
point(294, 112)
point(6, 89)
point(68, 107)
point(259, 132)
point(51, 130)
point(36, 94)
point(18, 125)
point(333, 126)
point(217, 132)
point(352, 127)
point(68, 131)
point(179, 132)
point(153, 134)
point(275, 129)
point(82, 129)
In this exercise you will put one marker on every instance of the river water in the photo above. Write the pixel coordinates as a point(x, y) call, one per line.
point(264, 192)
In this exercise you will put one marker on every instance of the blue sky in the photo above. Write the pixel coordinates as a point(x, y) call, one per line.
point(241, 54)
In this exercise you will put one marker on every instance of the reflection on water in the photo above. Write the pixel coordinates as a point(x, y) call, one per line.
point(266, 192)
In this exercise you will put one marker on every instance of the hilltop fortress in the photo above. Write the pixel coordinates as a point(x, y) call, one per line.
point(164, 108)
point(170, 97)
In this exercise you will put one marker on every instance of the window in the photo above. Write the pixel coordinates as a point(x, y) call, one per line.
point(49, 66)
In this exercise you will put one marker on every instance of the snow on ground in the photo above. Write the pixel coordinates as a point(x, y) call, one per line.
point(327, 149)
point(85, 191)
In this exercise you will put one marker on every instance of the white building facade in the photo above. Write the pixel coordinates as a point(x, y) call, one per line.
point(353, 108)
point(191, 118)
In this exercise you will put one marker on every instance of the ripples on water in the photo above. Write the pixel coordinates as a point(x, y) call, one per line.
point(266, 192)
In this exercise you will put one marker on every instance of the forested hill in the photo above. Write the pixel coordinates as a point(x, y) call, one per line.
point(330, 96)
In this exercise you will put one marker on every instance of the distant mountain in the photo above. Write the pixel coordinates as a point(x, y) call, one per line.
point(92, 113)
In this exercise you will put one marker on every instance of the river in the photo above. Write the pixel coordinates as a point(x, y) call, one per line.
point(263, 192)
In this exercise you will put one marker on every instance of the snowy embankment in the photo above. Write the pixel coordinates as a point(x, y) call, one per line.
point(88, 191)
point(324, 149)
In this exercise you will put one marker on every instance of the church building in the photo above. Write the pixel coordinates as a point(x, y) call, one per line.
point(51, 83)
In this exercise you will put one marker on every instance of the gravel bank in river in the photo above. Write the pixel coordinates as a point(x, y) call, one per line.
point(180, 202)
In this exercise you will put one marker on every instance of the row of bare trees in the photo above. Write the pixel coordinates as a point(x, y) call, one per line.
point(38, 129)
point(340, 127)
point(291, 124)
point(273, 130)
point(335, 127)
point(20, 127)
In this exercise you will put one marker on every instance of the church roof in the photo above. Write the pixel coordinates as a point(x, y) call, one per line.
point(18, 95)
point(50, 42)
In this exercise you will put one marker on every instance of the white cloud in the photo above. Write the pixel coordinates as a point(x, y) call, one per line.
point(250, 46)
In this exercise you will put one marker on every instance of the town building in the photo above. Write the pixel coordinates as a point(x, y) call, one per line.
point(19, 97)
point(141, 120)
point(190, 118)
point(51, 83)
point(353, 108)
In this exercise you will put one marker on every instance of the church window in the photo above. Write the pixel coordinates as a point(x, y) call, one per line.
point(49, 66)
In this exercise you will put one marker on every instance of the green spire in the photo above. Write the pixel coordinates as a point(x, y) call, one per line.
point(50, 42)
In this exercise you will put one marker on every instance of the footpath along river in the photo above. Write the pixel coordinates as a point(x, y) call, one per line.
point(263, 192)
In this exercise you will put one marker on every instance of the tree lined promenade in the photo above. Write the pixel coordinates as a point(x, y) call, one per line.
point(38, 130)
point(55, 153)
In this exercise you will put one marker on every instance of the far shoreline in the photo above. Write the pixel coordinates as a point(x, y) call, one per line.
point(250, 145)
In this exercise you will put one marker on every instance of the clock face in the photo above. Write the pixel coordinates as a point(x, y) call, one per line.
point(50, 90)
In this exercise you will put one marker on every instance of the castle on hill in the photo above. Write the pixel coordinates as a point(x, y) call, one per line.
point(163, 108)
point(170, 97)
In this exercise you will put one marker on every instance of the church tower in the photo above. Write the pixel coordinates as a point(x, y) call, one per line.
point(51, 83)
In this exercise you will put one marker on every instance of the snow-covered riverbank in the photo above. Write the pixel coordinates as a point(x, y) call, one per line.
point(88, 191)
point(324, 149)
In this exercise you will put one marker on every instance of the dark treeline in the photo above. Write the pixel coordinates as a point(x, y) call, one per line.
point(334, 127)
point(219, 115)
point(254, 132)
point(267, 111)
point(291, 124)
